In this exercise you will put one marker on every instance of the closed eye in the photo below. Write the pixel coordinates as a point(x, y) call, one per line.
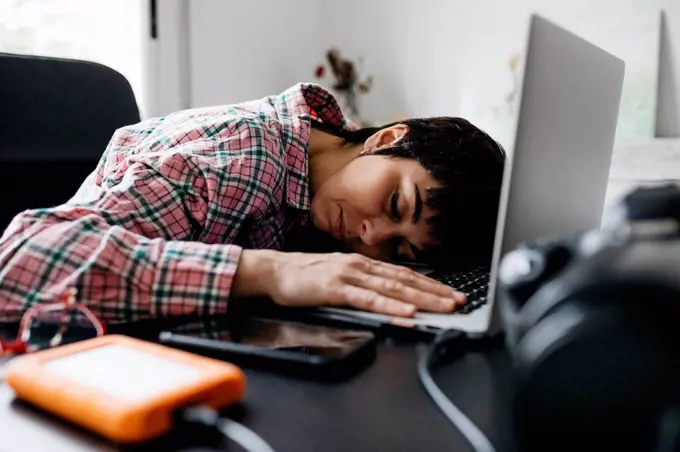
point(394, 206)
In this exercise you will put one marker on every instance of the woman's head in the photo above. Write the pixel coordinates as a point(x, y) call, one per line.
point(423, 189)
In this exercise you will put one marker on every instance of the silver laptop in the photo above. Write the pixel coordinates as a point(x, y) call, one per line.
point(556, 174)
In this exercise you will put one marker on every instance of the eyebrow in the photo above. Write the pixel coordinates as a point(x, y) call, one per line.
point(419, 205)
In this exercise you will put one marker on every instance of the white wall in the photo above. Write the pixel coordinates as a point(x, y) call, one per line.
point(245, 50)
point(418, 49)
point(168, 67)
point(412, 48)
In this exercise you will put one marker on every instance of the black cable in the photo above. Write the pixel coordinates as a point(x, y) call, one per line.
point(209, 421)
point(438, 347)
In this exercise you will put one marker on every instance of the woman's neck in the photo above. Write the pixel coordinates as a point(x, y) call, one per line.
point(327, 154)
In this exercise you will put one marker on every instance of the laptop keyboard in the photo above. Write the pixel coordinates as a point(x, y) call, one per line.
point(474, 283)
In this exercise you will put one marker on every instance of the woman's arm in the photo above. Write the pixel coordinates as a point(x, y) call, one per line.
point(335, 279)
point(120, 273)
point(143, 242)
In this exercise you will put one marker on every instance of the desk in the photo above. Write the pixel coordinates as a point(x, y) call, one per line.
point(382, 408)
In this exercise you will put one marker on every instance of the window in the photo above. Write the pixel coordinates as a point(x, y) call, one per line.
point(111, 32)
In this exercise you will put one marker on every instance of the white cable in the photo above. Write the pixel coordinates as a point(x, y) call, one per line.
point(243, 436)
point(205, 417)
point(467, 428)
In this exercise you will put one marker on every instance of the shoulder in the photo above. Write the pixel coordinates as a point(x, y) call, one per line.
point(215, 134)
point(204, 151)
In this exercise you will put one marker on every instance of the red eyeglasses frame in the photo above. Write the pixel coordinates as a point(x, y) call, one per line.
point(66, 305)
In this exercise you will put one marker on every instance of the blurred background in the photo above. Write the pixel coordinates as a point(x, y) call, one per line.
point(388, 59)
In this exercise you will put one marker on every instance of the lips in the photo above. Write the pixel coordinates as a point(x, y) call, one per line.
point(338, 227)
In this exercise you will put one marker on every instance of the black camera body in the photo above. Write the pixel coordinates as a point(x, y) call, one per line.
point(593, 324)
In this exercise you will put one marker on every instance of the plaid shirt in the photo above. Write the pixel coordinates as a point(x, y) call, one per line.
point(158, 228)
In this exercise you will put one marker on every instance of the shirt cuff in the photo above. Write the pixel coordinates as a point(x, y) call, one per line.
point(194, 279)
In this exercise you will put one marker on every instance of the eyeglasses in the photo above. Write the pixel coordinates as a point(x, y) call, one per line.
point(53, 324)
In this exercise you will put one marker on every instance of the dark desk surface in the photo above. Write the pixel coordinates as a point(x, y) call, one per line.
point(382, 408)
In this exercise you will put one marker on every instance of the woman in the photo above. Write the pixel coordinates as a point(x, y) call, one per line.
point(187, 211)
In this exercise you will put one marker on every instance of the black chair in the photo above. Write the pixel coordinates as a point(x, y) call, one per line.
point(56, 118)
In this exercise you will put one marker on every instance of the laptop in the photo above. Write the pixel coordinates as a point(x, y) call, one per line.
point(556, 174)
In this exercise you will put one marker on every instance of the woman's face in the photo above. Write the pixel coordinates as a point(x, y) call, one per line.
point(375, 204)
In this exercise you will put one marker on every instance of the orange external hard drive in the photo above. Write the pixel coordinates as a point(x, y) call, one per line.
point(122, 388)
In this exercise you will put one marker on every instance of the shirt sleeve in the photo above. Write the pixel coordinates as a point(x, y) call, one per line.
point(150, 239)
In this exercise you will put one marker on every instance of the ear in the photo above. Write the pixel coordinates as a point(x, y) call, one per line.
point(385, 138)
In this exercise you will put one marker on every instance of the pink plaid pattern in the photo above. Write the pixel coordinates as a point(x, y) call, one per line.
point(158, 228)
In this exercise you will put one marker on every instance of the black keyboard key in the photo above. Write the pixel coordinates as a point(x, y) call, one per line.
point(474, 283)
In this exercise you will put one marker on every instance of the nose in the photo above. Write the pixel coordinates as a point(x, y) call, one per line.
point(376, 231)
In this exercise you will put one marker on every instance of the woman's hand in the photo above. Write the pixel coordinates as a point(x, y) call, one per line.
point(351, 280)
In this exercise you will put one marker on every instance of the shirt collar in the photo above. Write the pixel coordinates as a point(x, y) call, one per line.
point(296, 107)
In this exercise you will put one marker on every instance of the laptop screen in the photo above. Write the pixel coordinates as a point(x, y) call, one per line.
point(556, 173)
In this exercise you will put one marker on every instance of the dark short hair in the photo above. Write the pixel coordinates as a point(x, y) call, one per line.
point(468, 164)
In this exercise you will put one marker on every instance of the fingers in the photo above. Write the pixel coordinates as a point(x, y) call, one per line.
point(400, 291)
point(393, 289)
point(417, 281)
point(369, 300)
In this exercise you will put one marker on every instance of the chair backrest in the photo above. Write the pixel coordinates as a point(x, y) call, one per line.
point(56, 118)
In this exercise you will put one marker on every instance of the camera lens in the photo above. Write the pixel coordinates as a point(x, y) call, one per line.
point(520, 267)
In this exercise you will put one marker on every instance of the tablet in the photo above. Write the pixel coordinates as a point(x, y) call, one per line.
point(287, 346)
